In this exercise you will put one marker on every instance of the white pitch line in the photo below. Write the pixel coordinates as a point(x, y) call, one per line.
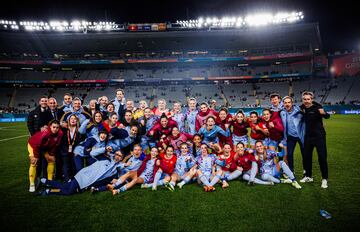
point(2, 140)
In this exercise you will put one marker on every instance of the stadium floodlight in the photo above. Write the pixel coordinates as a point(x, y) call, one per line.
point(260, 19)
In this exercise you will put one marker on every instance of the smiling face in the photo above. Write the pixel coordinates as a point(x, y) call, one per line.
point(147, 113)
point(73, 120)
point(164, 122)
point(104, 101)
point(239, 117)
point(240, 149)
point(222, 115)
point(113, 119)
point(253, 118)
point(204, 150)
point(128, 117)
point(307, 100)
point(129, 105)
point(76, 105)
point(161, 105)
point(43, 102)
point(119, 95)
point(288, 104)
point(184, 149)
point(197, 140)
point(142, 105)
point(92, 104)
point(52, 104)
point(192, 104)
point(204, 108)
point(266, 115)
point(154, 152)
point(134, 130)
point(175, 131)
point(67, 99)
point(210, 122)
point(169, 151)
point(98, 117)
point(227, 149)
point(137, 151)
point(259, 147)
point(102, 137)
point(177, 107)
point(118, 156)
point(110, 108)
point(54, 128)
point(275, 101)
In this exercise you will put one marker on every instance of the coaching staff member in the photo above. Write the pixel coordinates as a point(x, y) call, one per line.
point(315, 136)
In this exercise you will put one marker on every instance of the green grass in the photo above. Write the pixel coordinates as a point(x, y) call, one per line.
point(238, 208)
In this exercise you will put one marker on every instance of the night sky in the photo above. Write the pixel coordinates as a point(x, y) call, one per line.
point(339, 22)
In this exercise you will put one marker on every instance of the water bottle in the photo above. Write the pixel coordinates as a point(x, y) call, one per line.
point(325, 214)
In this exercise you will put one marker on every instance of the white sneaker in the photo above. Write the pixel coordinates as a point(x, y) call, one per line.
point(324, 184)
point(32, 188)
point(296, 184)
point(306, 180)
point(286, 181)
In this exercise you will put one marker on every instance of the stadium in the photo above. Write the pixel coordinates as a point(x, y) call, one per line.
point(233, 62)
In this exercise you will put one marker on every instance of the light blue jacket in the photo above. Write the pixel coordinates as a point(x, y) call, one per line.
point(97, 171)
point(212, 135)
point(298, 120)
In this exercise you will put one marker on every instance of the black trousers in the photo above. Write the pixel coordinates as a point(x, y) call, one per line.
point(290, 146)
point(320, 145)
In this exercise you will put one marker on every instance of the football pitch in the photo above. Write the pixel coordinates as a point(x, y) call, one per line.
point(238, 208)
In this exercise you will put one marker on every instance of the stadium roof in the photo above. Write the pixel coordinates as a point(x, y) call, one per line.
point(47, 44)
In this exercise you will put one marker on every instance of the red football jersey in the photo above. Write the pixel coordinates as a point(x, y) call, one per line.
point(228, 161)
point(256, 134)
point(167, 165)
point(245, 161)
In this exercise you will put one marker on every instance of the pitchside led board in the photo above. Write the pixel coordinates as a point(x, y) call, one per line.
point(346, 65)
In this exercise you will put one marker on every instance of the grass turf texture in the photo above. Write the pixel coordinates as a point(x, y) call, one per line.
point(238, 208)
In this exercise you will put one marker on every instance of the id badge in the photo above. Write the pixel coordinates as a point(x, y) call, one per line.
point(70, 149)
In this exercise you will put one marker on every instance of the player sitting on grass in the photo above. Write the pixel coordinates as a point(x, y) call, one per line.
point(184, 168)
point(271, 168)
point(246, 163)
point(206, 174)
point(166, 163)
point(133, 163)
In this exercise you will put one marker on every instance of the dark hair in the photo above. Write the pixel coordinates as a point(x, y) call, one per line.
point(254, 112)
point(194, 146)
point(240, 112)
point(112, 114)
point(273, 95)
point(110, 104)
point(169, 146)
point(209, 118)
point(240, 143)
point(224, 109)
point(121, 90)
point(163, 115)
point(54, 121)
point(267, 109)
point(128, 111)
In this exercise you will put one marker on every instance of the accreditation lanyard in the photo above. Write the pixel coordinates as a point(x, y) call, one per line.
point(73, 140)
